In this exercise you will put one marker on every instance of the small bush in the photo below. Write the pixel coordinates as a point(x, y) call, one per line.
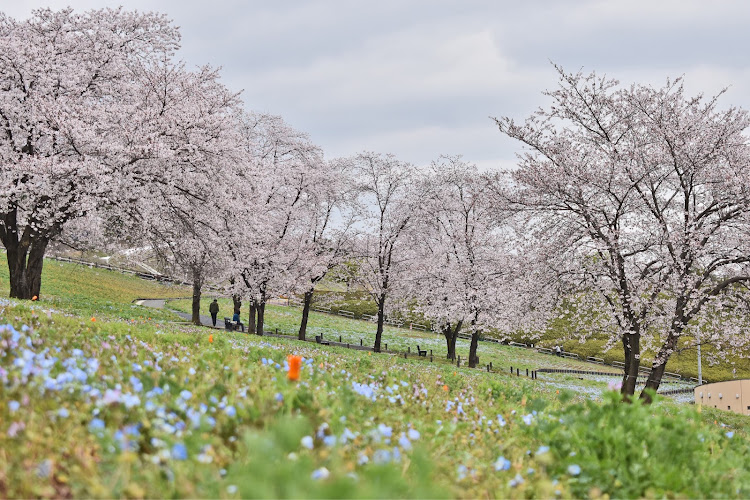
point(635, 450)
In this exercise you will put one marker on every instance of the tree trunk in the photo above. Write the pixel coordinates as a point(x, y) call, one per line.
point(653, 381)
point(473, 358)
point(237, 304)
point(660, 363)
point(261, 316)
point(197, 285)
point(381, 319)
point(451, 335)
point(251, 318)
point(305, 313)
point(25, 262)
point(632, 348)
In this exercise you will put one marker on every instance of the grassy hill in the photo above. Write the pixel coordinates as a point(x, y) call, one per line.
point(133, 407)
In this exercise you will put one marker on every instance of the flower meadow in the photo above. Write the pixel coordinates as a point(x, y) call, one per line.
point(123, 409)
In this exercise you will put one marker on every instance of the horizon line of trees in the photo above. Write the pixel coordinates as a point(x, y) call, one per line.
point(628, 212)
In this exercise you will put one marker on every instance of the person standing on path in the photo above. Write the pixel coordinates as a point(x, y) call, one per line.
point(214, 310)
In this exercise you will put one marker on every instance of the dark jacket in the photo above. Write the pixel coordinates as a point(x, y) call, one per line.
point(213, 308)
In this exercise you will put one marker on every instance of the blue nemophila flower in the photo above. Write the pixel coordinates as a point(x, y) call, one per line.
point(186, 395)
point(63, 413)
point(13, 406)
point(515, 481)
point(501, 421)
point(502, 463)
point(362, 458)
point(542, 450)
point(347, 435)
point(321, 473)
point(279, 397)
point(574, 469)
point(527, 419)
point(461, 472)
point(404, 442)
point(385, 431)
point(307, 442)
point(729, 434)
point(382, 457)
point(179, 451)
point(413, 434)
point(44, 469)
point(329, 441)
point(230, 411)
point(130, 400)
point(96, 424)
point(231, 489)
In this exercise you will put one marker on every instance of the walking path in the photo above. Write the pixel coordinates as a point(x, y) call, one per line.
point(160, 304)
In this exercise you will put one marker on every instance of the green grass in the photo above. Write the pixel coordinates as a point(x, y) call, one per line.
point(123, 408)
point(98, 293)
point(684, 363)
point(287, 319)
point(247, 441)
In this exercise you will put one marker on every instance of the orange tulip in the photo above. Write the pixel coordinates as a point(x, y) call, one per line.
point(93, 318)
point(295, 363)
point(445, 388)
point(211, 338)
point(34, 298)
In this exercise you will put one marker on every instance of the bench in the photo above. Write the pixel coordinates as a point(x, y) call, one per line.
point(232, 326)
point(421, 352)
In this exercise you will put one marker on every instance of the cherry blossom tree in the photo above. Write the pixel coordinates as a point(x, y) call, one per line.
point(390, 195)
point(329, 217)
point(465, 267)
point(182, 216)
point(282, 168)
point(68, 86)
point(640, 197)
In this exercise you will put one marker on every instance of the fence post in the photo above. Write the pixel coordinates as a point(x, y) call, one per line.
point(430, 352)
point(458, 363)
point(408, 349)
point(339, 339)
point(527, 372)
point(386, 347)
point(362, 342)
point(491, 365)
point(488, 368)
point(518, 372)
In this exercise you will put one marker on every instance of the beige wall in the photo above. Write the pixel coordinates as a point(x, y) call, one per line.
point(732, 395)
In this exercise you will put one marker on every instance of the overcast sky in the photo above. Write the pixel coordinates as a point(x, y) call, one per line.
point(421, 78)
